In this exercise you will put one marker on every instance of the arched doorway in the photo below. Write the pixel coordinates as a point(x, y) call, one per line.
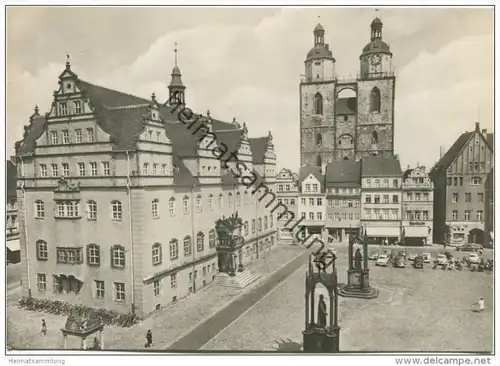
point(476, 236)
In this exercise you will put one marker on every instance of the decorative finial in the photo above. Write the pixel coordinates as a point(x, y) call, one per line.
point(36, 109)
point(153, 97)
point(208, 113)
point(175, 52)
point(68, 65)
point(270, 136)
point(319, 18)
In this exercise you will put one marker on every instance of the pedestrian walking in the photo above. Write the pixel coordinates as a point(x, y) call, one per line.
point(480, 304)
point(44, 328)
point(149, 339)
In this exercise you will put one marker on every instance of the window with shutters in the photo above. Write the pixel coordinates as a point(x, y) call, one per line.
point(117, 256)
point(93, 255)
point(157, 254)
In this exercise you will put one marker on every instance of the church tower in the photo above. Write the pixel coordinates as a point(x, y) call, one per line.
point(176, 88)
point(317, 94)
point(376, 83)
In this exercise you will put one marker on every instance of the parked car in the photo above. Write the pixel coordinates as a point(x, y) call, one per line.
point(441, 259)
point(418, 262)
point(382, 260)
point(469, 247)
point(412, 256)
point(448, 255)
point(473, 258)
point(427, 257)
point(373, 255)
point(402, 253)
point(399, 262)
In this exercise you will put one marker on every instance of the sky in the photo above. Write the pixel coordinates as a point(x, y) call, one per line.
point(246, 63)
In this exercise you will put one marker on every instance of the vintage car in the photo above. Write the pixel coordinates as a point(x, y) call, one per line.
point(418, 262)
point(427, 257)
point(412, 256)
point(382, 260)
point(473, 258)
point(441, 259)
point(469, 247)
point(399, 262)
point(402, 253)
point(373, 255)
point(448, 255)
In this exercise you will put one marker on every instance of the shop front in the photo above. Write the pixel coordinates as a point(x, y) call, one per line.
point(380, 234)
point(416, 235)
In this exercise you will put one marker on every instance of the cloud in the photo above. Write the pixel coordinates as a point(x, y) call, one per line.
point(251, 70)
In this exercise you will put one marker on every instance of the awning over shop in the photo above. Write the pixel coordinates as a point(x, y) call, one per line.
point(416, 231)
point(384, 232)
point(14, 245)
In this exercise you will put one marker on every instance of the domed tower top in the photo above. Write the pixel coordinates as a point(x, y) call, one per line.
point(376, 45)
point(320, 49)
point(176, 87)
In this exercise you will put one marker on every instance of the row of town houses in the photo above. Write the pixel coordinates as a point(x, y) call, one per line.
point(452, 202)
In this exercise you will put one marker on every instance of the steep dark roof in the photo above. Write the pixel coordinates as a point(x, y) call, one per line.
point(36, 129)
point(380, 166)
point(452, 152)
point(346, 106)
point(376, 46)
point(108, 97)
point(11, 180)
point(343, 171)
point(258, 147)
point(314, 170)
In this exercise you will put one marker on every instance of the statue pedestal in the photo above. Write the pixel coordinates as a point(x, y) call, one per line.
point(358, 285)
point(320, 340)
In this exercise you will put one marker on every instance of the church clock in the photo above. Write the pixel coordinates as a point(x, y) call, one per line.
point(376, 59)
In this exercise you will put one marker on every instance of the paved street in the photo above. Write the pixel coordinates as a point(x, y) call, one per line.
point(418, 310)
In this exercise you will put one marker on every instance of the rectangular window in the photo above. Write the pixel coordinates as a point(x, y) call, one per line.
point(385, 183)
point(426, 196)
point(69, 255)
point(395, 198)
point(311, 215)
point(368, 183)
point(63, 108)
point(351, 216)
point(455, 181)
point(308, 188)
point(54, 139)
point(78, 135)
point(425, 215)
point(78, 107)
point(417, 215)
point(287, 187)
point(41, 281)
point(303, 201)
point(377, 199)
point(118, 257)
point(385, 214)
point(105, 168)
point(173, 280)
point(65, 169)
point(145, 169)
point(479, 215)
point(417, 197)
point(292, 202)
point(303, 214)
point(311, 201)
point(65, 136)
point(93, 168)
point(394, 214)
point(156, 288)
point(319, 216)
point(81, 169)
point(55, 170)
point(319, 202)
point(336, 216)
point(467, 215)
point(164, 169)
point(155, 169)
point(315, 188)
point(330, 203)
point(461, 181)
point(386, 198)
point(119, 291)
point(454, 198)
point(99, 289)
point(43, 170)
point(448, 181)
point(280, 188)
point(455, 215)
point(90, 135)
point(468, 197)
point(480, 197)
point(409, 215)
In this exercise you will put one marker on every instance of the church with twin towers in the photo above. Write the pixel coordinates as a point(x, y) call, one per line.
point(343, 119)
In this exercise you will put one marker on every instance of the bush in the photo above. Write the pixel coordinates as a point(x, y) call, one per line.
point(108, 317)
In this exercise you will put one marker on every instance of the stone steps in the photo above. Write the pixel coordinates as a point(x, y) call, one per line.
point(240, 280)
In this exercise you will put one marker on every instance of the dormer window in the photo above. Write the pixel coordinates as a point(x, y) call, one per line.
point(78, 107)
point(63, 108)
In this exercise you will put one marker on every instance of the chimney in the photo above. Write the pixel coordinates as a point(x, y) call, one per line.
point(484, 131)
point(477, 127)
point(442, 151)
